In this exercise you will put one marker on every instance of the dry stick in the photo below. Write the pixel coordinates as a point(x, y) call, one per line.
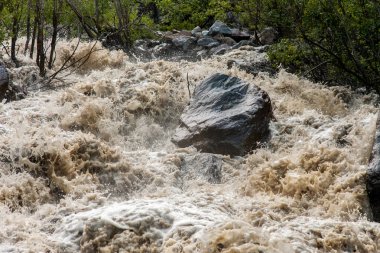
point(86, 57)
point(314, 68)
point(6, 50)
point(63, 67)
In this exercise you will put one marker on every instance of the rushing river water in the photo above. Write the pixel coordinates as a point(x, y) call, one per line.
point(90, 167)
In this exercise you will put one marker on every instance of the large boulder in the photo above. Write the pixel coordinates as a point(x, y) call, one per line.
point(220, 28)
point(373, 176)
point(226, 116)
point(184, 41)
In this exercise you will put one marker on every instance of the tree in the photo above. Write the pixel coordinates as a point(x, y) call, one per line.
point(40, 36)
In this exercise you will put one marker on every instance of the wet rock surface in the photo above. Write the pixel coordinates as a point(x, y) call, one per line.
point(197, 44)
point(8, 91)
point(202, 165)
point(226, 116)
point(373, 176)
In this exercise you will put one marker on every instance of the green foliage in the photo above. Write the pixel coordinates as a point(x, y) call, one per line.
point(342, 43)
point(178, 14)
point(331, 40)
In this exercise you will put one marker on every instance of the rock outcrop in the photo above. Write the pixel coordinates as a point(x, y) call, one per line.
point(4, 82)
point(226, 116)
point(192, 45)
point(373, 176)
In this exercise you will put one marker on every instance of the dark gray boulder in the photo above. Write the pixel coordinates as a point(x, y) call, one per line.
point(207, 42)
point(219, 50)
point(4, 76)
point(226, 116)
point(184, 41)
point(373, 176)
point(220, 28)
point(238, 35)
point(4, 82)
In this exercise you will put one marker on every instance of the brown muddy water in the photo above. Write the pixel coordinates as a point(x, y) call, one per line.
point(90, 167)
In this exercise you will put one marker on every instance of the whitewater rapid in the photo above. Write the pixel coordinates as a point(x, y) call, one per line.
point(89, 166)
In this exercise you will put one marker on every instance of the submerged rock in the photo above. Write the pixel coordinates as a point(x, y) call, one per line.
point(226, 116)
point(373, 176)
point(204, 165)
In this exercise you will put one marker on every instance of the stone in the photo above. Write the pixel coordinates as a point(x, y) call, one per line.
point(242, 43)
point(238, 35)
point(224, 40)
point(219, 50)
point(268, 36)
point(205, 33)
point(196, 30)
point(253, 68)
point(373, 176)
point(226, 115)
point(4, 83)
point(219, 28)
point(207, 41)
point(229, 41)
point(184, 41)
point(4, 76)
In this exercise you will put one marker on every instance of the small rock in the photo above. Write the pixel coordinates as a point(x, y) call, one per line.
point(219, 50)
point(242, 43)
point(196, 30)
point(207, 42)
point(205, 33)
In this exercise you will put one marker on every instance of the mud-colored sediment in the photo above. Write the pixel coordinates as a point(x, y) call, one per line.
point(90, 167)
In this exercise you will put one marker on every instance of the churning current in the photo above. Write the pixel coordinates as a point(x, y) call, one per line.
point(89, 167)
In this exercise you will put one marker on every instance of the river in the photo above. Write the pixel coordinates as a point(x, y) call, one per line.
point(89, 167)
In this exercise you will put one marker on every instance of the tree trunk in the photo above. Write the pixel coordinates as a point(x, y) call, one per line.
point(97, 16)
point(87, 28)
point(15, 28)
point(124, 22)
point(33, 38)
point(28, 27)
point(55, 31)
point(40, 37)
